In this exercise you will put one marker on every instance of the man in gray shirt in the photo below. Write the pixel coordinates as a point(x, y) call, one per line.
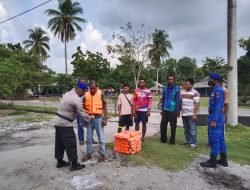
point(65, 136)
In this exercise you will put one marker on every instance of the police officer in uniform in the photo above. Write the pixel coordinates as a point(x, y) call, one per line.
point(69, 107)
point(216, 124)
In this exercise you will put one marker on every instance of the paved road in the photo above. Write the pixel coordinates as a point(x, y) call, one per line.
point(111, 106)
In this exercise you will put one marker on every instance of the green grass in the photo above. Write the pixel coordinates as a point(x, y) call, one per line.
point(17, 107)
point(34, 118)
point(52, 99)
point(111, 114)
point(244, 107)
point(178, 157)
point(17, 112)
point(204, 102)
point(156, 98)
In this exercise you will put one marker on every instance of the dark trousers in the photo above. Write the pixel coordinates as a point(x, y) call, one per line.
point(65, 140)
point(171, 117)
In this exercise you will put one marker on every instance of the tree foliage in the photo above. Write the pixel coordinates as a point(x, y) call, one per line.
point(217, 65)
point(159, 47)
point(245, 44)
point(133, 44)
point(65, 22)
point(20, 71)
point(186, 68)
point(90, 66)
point(38, 42)
point(244, 69)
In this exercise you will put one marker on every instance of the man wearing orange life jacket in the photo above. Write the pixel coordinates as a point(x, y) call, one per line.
point(95, 105)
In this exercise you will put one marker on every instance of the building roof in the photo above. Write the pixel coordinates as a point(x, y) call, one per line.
point(154, 88)
point(203, 83)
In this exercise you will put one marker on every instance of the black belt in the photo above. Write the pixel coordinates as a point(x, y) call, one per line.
point(61, 116)
point(96, 115)
point(211, 111)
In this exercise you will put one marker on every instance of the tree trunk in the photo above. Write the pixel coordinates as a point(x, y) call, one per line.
point(65, 54)
point(232, 61)
point(138, 78)
point(157, 79)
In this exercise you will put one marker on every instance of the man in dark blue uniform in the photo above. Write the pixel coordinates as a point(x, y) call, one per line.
point(216, 124)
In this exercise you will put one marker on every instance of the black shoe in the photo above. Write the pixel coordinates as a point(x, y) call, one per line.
point(62, 163)
point(211, 163)
point(223, 160)
point(77, 166)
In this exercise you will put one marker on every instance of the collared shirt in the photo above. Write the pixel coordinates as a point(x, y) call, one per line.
point(189, 99)
point(142, 99)
point(171, 99)
point(69, 106)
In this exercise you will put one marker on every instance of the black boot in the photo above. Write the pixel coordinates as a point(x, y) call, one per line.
point(211, 163)
point(223, 160)
point(76, 166)
point(62, 163)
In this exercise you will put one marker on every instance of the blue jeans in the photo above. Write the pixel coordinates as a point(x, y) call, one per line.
point(80, 128)
point(190, 130)
point(97, 125)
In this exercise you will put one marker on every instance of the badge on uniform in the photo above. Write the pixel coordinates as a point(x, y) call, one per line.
point(217, 94)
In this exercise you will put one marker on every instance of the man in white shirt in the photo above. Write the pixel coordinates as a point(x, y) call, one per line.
point(190, 105)
point(125, 108)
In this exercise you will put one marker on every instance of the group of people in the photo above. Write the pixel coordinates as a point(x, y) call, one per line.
point(88, 105)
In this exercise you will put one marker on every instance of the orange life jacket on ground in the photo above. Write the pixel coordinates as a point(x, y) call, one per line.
point(93, 104)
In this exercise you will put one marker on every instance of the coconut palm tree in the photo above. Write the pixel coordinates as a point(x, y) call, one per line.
point(65, 22)
point(159, 49)
point(38, 42)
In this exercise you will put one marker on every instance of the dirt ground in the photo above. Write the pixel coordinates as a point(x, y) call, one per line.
point(27, 162)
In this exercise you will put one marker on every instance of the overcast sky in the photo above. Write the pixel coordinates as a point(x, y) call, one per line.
point(196, 28)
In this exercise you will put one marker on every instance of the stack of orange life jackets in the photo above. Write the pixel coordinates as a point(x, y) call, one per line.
point(128, 142)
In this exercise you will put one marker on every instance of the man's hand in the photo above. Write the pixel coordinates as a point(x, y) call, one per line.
point(213, 124)
point(194, 117)
point(104, 122)
point(92, 118)
point(84, 123)
point(178, 114)
point(161, 112)
point(148, 113)
point(131, 116)
point(134, 114)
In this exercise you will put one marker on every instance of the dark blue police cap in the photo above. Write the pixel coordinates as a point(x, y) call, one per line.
point(215, 76)
point(82, 85)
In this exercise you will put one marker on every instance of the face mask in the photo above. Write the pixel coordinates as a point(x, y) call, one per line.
point(211, 83)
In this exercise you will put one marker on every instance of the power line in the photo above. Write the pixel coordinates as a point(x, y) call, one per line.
point(24, 12)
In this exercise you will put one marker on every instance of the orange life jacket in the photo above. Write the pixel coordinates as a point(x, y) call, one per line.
point(93, 104)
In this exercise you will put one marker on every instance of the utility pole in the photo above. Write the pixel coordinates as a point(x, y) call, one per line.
point(232, 117)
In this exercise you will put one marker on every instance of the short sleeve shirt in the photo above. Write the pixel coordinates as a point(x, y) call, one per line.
point(124, 103)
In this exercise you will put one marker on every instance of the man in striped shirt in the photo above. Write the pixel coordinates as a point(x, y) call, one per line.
point(190, 105)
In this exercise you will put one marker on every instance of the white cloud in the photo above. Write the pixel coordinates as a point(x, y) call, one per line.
point(3, 15)
point(4, 33)
point(3, 12)
point(93, 41)
point(7, 31)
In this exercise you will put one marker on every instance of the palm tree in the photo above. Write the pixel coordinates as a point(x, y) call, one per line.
point(64, 22)
point(38, 42)
point(159, 49)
